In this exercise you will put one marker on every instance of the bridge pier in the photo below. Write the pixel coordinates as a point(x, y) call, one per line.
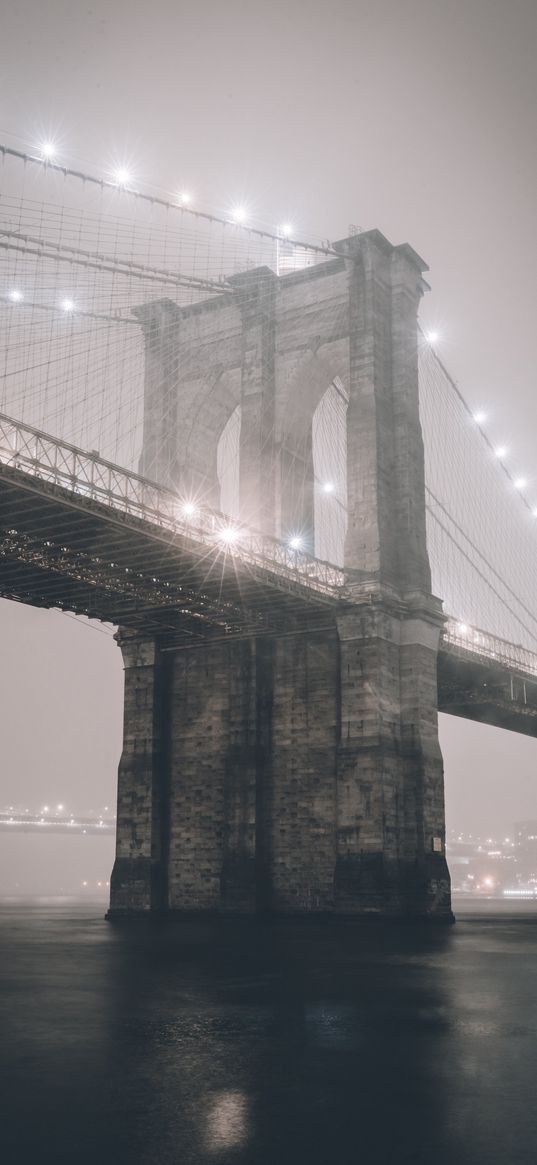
point(139, 877)
point(295, 774)
point(390, 811)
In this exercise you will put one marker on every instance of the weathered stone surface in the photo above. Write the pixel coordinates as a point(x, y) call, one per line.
point(139, 875)
point(297, 773)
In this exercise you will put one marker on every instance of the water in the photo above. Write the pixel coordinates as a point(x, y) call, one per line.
point(276, 1043)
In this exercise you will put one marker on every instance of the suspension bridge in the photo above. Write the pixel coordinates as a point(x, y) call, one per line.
point(211, 439)
point(17, 820)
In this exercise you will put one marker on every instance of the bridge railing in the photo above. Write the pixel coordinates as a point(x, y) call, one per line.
point(463, 639)
point(87, 475)
point(90, 476)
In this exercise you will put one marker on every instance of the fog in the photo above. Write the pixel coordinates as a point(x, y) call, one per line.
point(417, 118)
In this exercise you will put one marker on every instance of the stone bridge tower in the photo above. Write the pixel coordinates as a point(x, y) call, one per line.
point(298, 773)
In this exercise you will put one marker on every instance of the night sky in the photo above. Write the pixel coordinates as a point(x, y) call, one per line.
point(415, 117)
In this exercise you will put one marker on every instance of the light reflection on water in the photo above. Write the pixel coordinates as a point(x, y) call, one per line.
point(227, 1125)
point(178, 1043)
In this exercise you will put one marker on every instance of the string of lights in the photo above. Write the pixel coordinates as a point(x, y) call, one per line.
point(94, 269)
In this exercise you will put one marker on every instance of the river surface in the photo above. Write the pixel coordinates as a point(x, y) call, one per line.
point(272, 1044)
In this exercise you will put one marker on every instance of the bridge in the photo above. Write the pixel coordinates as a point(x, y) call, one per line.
point(16, 820)
point(268, 563)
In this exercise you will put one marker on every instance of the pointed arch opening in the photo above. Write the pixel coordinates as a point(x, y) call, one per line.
point(329, 451)
point(228, 465)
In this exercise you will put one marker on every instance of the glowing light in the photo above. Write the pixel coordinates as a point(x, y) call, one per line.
point(15, 295)
point(68, 305)
point(462, 629)
point(432, 337)
point(295, 542)
point(45, 809)
point(122, 176)
point(59, 808)
point(228, 535)
point(480, 418)
point(534, 512)
point(328, 487)
point(189, 509)
point(520, 482)
point(239, 214)
point(84, 883)
point(501, 452)
point(184, 198)
point(488, 881)
point(48, 150)
point(286, 230)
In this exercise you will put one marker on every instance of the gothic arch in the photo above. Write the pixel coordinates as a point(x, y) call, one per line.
point(200, 427)
point(228, 465)
point(329, 453)
point(305, 454)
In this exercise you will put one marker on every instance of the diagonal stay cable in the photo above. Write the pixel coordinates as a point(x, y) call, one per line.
point(500, 578)
point(481, 575)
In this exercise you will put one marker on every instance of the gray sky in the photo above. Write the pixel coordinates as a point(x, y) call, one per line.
point(414, 116)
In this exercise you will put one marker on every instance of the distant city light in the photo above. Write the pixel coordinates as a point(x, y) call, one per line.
point(48, 150)
point(520, 482)
point(68, 305)
point(501, 452)
point(480, 418)
point(122, 176)
point(295, 542)
point(328, 487)
point(16, 295)
point(59, 808)
point(45, 809)
point(432, 337)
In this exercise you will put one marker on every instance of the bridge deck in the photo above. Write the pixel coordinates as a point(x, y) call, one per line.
point(61, 548)
point(487, 690)
point(84, 535)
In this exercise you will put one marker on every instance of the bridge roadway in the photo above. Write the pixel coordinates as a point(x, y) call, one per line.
point(83, 535)
point(24, 822)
